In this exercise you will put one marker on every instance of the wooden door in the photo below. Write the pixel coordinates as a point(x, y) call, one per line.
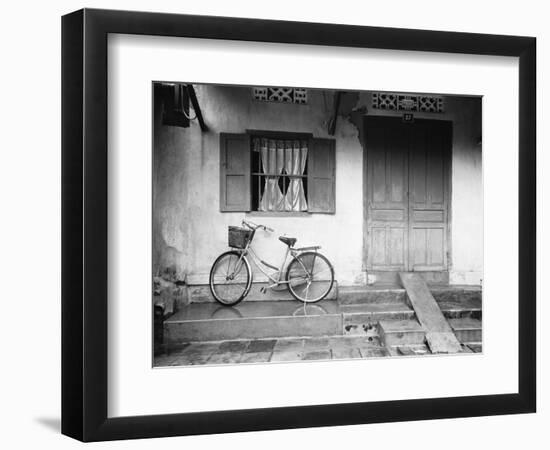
point(429, 151)
point(406, 194)
point(387, 188)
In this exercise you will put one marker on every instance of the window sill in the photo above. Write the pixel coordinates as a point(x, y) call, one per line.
point(278, 214)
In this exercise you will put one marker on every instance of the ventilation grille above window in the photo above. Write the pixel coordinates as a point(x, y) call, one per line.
point(280, 94)
point(401, 102)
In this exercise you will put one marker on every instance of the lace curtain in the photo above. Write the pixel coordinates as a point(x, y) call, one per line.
point(284, 159)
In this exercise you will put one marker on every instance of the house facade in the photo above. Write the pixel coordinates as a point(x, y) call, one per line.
point(383, 182)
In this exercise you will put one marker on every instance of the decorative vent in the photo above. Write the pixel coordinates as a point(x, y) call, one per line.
point(300, 96)
point(401, 102)
point(280, 94)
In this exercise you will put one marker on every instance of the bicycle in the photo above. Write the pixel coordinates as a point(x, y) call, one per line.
point(309, 275)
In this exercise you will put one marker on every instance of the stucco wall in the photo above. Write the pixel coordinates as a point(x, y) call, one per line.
point(190, 231)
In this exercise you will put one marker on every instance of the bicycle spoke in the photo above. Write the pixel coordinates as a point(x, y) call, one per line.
point(229, 278)
point(310, 277)
point(220, 279)
point(326, 270)
point(228, 266)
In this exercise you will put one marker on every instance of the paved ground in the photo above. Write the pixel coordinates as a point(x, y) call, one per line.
point(350, 325)
point(280, 350)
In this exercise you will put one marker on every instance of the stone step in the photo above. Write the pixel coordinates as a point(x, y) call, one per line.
point(259, 292)
point(253, 320)
point(361, 319)
point(474, 347)
point(467, 329)
point(395, 293)
point(456, 293)
point(385, 294)
point(377, 293)
point(276, 319)
point(395, 333)
point(400, 333)
point(434, 278)
point(461, 308)
point(209, 321)
point(409, 350)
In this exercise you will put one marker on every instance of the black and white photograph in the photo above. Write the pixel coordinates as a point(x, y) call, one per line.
point(275, 225)
point(293, 224)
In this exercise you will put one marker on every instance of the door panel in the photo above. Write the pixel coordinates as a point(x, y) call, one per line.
point(387, 202)
point(396, 246)
point(429, 153)
point(428, 248)
point(407, 194)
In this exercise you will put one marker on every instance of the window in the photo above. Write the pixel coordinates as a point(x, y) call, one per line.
point(277, 172)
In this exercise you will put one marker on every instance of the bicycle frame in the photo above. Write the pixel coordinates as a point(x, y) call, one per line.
point(278, 272)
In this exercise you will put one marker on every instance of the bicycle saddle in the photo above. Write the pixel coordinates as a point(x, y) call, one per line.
point(288, 240)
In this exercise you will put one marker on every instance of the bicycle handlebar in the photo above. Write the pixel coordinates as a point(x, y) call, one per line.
point(254, 226)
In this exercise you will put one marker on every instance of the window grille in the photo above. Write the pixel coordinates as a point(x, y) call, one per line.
point(279, 172)
point(403, 102)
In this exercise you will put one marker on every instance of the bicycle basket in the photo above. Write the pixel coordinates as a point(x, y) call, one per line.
point(238, 237)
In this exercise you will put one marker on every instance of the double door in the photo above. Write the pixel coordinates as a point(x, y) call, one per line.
point(407, 194)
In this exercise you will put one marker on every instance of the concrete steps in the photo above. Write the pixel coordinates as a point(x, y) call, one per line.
point(456, 293)
point(395, 333)
point(469, 308)
point(259, 292)
point(474, 347)
point(467, 329)
point(409, 350)
point(394, 293)
point(253, 320)
point(436, 278)
point(361, 319)
point(364, 307)
point(365, 311)
point(385, 294)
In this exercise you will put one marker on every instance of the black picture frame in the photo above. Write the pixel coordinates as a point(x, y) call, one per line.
point(84, 224)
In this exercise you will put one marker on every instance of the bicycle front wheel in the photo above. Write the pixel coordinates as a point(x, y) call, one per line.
point(310, 277)
point(230, 278)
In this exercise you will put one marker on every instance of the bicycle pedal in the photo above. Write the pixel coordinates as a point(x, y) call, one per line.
point(263, 290)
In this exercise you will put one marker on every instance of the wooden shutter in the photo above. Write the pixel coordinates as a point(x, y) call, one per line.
point(321, 176)
point(234, 172)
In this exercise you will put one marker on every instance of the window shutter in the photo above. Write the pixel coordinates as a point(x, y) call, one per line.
point(234, 172)
point(321, 184)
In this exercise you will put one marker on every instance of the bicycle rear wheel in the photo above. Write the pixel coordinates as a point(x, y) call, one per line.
point(230, 278)
point(310, 277)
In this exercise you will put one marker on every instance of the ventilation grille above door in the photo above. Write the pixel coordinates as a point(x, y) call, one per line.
point(402, 102)
point(280, 94)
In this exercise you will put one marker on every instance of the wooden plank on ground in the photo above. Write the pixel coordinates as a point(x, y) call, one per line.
point(439, 334)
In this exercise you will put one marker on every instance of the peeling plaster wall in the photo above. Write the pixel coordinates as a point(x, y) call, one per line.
point(170, 188)
point(190, 231)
